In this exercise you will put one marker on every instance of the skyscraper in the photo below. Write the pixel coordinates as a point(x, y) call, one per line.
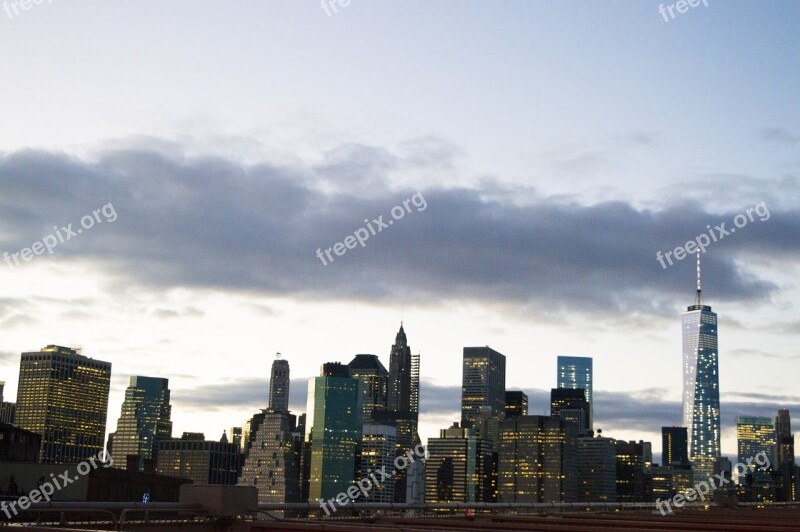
point(377, 454)
point(571, 405)
point(784, 465)
point(271, 464)
point(333, 429)
point(516, 403)
point(63, 397)
point(402, 403)
point(483, 384)
point(755, 435)
point(701, 384)
point(205, 462)
point(537, 460)
point(576, 372)
point(279, 385)
point(143, 422)
point(458, 468)
point(674, 446)
point(375, 380)
point(597, 469)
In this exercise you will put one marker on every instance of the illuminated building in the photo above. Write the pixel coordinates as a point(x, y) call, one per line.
point(537, 460)
point(204, 462)
point(378, 454)
point(144, 420)
point(701, 384)
point(279, 385)
point(632, 459)
point(458, 467)
point(333, 429)
point(571, 405)
point(483, 384)
point(574, 373)
point(674, 446)
point(63, 397)
point(516, 404)
point(784, 466)
point(597, 469)
point(272, 464)
point(375, 384)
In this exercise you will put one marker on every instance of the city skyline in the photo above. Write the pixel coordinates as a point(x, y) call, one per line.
point(559, 163)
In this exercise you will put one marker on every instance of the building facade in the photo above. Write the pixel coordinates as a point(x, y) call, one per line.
point(63, 397)
point(375, 384)
point(378, 444)
point(459, 467)
point(483, 384)
point(204, 462)
point(143, 422)
point(279, 385)
point(577, 372)
point(701, 412)
point(272, 464)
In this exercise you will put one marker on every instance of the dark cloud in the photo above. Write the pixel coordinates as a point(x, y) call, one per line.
point(211, 222)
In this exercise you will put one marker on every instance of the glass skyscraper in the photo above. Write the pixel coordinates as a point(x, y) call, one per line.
point(701, 384)
point(576, 372)
point(333, 429)
point(143, 421)
point(63, 397)
point(754, 435)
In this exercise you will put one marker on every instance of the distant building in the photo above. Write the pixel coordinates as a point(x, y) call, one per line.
point(459, 467)
point(333, 431)
point(701, 414)
point(755, 435)
point(516, 403)
point(375, 384)
point(674, 446)
point(63, 397)
point(597, 469)
point(204, 462)
point(574, 373)
point(483, 384)
point(784, 466)
point(632, 459)
point(271, 464)
point(537, 460)
point(377, 454)
point(143, 422)
point(6, 409)
point(570, 404)
point(279, 385)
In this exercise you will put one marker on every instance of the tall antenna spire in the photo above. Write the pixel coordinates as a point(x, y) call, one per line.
point(402, 308)
point(699, 298)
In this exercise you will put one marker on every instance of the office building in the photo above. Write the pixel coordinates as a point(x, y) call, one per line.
point(63, 397)
point(459, 467)
point(272, 463)
point(375, 384)
point(378, 444)
point(516, 404)
point(333, 428)
point(483, 384)
point(674, 446)
point(7, 409)
point(784, 466)
point(402, 403)
point(571, 405)
point(279, 385)
point(754, 435)
point(701, 414)
point(204, 462)
point(632, 460)
point(577, 372)
point(597, 469)
point(143, 422)
point(537, 460)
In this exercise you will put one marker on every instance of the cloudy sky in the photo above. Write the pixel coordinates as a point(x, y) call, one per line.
point(206, 150)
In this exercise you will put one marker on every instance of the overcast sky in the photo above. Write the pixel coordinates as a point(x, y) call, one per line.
point(545, 151)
